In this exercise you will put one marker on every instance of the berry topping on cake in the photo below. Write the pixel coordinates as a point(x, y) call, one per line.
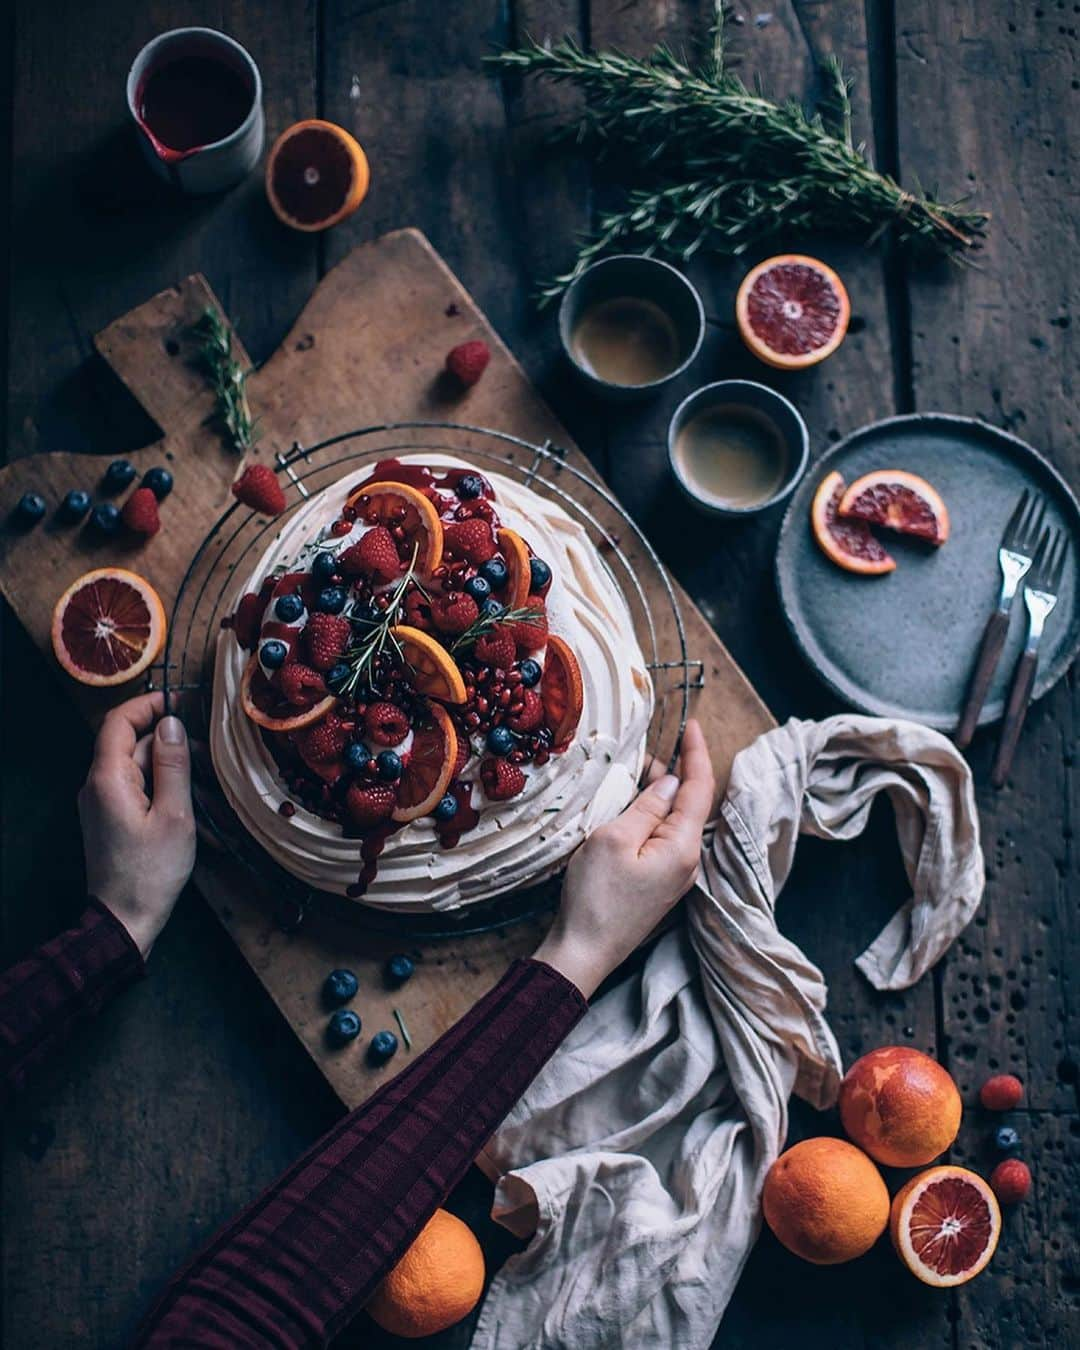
point(501, 779)
point(259, 488)
point(452, 614)
point(327, 636)
point(530, 634)
point(473, 540)
point(529, 714)
point(369, 803)
point(539, 576)
point(495, 648)
point(468, 361)
point(375, 556)
point(469, 486)
point(273, 654)
point(248, 619)
point(140, 512)
point(331, 600)
point(300, 685)
point(324, 741)
point(385, 724)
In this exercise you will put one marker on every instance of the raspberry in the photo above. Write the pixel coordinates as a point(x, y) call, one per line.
point(473, 540)
point(531, 714)
point(452, 614)
point(324, 741)
point(259, 488)
point(495, 648)
point(140, 512)
point(1001, 1093)
point(501, 779)
point(468, 361)
point(378, 554)
point(327, 636)
point(370, 803)
point(385, 724)
point(301, 685)
point(1010, 1181)
point(247, 621)
point(531, 634)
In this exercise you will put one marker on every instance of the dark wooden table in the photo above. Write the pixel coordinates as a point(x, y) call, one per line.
point(190, 1094)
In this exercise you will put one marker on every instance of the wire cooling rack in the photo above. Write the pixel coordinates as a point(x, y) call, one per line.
point(222, 566)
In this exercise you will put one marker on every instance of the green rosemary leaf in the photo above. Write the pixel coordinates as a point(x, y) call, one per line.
point(486, 623)
point(229, 379)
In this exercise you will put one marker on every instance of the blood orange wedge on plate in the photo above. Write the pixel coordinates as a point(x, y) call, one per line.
point(108, 627)
point(435, 672)
point(316, 175)
point(945, 1224)
point(561, 691)
point(401, 507)
point(792, 311)
point(848, 543)
point(900, 501)
point(430, 766)
point(516, 552)
point(263, 702)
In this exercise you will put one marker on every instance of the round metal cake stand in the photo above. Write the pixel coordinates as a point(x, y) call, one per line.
point(223, 563)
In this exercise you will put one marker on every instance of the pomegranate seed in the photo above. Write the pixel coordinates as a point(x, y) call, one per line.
point(287, 809)
point(472, 721)
point(481, 705)
point(504, 698)
point(514, 678)
point(542, 757)
point(348, 512)
point(339, 528)
point(398, 533)
point(515, 757)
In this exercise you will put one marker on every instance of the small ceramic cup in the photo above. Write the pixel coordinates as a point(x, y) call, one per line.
point(204, 168)
point(778, 410)
point(630, 276)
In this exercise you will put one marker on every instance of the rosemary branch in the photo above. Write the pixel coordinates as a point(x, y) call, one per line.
point(228, 377)
point(374, 636)
point(486, 623)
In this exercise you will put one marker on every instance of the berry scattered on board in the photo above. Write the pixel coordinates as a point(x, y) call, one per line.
point(1010, 1181)
point(1001, 1093)
point(259, 488)
point(468, 361)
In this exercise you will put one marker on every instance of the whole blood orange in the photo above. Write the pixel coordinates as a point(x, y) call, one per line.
point(945, 1224)
point(901, 501)
point(436, 1283)
point(108, 626)
point(825, 1200)
point(848, 543)
point(316, 175)
point(900, 1105)
point(792, 311)
point(430, 766)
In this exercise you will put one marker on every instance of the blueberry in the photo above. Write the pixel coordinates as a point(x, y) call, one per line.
point(324, 567)
point(500, 740)
point(530, 672)
point(470, 487)
point(159, 481)
point(541, 574)
point(272, 654)
point(447, 808)
point(343, 1027)
point(478, 587)
point(289, 607)
point(495, 572)
point(339, 987)
point(399, 968)
point(118, 475)
point(491, 609)
point(331, 600)
point(368, 612)
point(383, 1047)
point(356, 757)
point(30, 509)
point(1006, 1139)
point(388, 765)
point(75, 505)
point(106, 518)
point(338, 674)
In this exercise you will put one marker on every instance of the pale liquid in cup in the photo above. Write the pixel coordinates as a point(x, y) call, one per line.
point(626, 340)
point(734, 454)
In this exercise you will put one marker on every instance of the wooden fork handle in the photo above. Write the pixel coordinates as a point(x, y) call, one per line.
point(1019, 698)
point(993, 640)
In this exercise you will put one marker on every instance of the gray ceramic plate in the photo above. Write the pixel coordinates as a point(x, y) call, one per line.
point(903, 645)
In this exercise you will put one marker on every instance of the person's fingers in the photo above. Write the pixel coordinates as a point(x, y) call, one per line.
point(647, 810)
point(124, 725)
point(172, 769)
point(693, 803)
point(143, 757)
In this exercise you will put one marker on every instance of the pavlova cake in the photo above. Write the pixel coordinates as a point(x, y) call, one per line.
point(430, 690)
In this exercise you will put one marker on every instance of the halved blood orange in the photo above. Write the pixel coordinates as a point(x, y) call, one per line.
point(561, 691)
point(430, 767)
point(263, 703)
point(945, 1224)
point(316, 175)
point(516, 552)
point(108, 627)
point(901, 501)
point(792, 311)
point(848, 543)
point(435, 672)
point(397, 505)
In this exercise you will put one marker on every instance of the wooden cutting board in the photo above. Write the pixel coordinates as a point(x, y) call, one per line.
point(367, 349)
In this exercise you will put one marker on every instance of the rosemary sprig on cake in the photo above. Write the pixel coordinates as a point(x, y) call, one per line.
point(229, 379)
point(487, 623)
point(374, 635)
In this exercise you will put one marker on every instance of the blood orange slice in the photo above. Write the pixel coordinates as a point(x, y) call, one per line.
point(430, 766)
point(399, 506)
point(792, 311)
point(516, 552)
point(435, 672)
point(264, 704)
point(901, 501)
point(108, 627)
point(848, 543)
point(316, 175)
point(945, 1224)
point(561, 691)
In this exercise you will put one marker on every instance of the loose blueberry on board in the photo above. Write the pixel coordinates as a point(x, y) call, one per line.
point(324, 567)
point(331, 600)
point(500, 740)
point(31, 508)
point(495, 572)
point(383, 1047)
point(530, 672)
point(288, 608)
point(106, 518)
point(338, 674)
point(159, 481)
point(491, 609)
point(74, 506)
point(343, 1027)
point(1006, 1139)
point(447, 808)
point(388, 765)
point(340, 986)
point(399, 968)
point(118, 475)
point(478, 587)
point(272, 654)
point(540, 574)
point(470, 487)
point(356, 757)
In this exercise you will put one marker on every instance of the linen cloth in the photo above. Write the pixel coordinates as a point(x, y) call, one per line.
point(639, 1152)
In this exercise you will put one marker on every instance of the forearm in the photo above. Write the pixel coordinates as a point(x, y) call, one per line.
point(61, 985)
point(297, 1265)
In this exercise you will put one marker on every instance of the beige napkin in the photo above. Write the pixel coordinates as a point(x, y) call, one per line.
point(639, 1152)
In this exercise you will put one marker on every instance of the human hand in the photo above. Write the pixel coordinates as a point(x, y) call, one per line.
point(628, 874)
point(137, 821)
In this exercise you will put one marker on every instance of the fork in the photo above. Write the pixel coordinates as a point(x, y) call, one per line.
point(1015, 554)
point(1040, 597)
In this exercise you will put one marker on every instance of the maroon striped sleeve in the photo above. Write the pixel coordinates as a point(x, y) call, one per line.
point(298, 1264)
point(44, 997)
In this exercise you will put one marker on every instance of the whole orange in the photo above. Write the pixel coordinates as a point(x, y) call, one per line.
point(825, 1200)
point(436, 1283)
point(900, 1105)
